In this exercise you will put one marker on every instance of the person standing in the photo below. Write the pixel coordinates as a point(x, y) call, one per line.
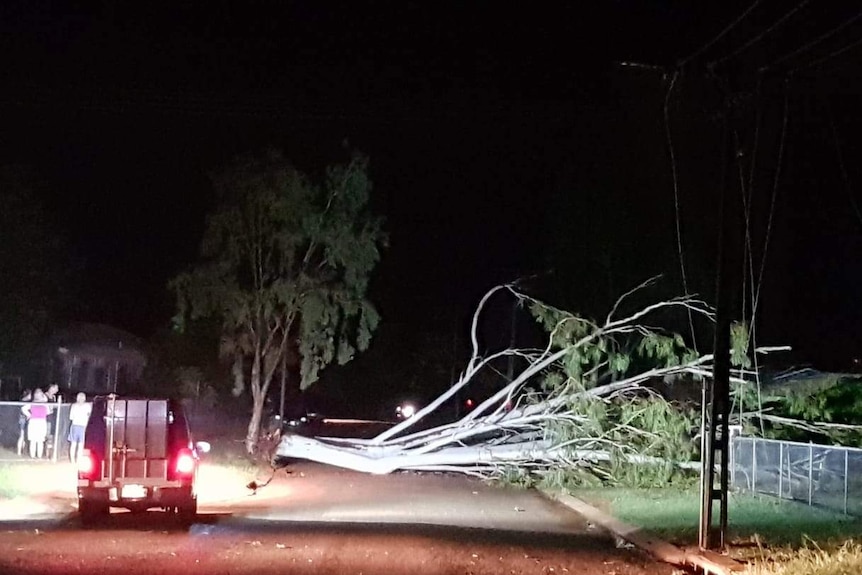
point(37, 423)
point(79, 415)
point(22, 423)
point(52, 396)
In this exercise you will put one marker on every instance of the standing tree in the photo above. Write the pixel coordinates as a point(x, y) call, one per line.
point(284, 260)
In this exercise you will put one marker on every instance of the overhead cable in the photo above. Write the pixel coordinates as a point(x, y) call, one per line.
point(831, 55)
point(847, 184)
point(675, 177)
point(760, 36)
point(804, 48)
point(720, 35)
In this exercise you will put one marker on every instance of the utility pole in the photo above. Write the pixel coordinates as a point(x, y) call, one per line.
point(715, 433)
point(715, 414)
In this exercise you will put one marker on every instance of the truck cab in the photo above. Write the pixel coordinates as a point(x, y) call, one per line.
point(138, 454)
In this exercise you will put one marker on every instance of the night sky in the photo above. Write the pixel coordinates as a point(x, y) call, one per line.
point(503, 142)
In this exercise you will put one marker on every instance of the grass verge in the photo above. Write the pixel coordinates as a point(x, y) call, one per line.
point(776, 536)
point(12, 481)
point(674, 514)
point(21, 477)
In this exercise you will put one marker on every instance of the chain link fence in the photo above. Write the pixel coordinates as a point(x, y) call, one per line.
point(13, 428)
point(825, 476)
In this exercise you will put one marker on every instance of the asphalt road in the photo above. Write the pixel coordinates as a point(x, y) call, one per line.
point(321, 520)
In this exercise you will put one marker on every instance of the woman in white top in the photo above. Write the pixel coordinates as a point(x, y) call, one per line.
point(79, 415)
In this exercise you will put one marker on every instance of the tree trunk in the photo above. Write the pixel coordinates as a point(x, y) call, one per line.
point(475, 458)
point(258, 398)
point(253, 433)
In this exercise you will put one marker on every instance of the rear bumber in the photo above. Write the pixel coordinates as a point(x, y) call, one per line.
point(136, 496)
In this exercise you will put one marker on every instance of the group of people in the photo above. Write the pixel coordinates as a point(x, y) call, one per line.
point(35, 422)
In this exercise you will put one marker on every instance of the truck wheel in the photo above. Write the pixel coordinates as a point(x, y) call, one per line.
point(188, 512)
point(92, 511)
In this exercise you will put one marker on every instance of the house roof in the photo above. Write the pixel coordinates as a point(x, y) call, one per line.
point(101, 340)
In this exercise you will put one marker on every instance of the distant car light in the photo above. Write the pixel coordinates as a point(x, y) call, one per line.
point(406, 410)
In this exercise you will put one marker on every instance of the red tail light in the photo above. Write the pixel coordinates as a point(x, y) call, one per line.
point(87, 465)
point(185, 462)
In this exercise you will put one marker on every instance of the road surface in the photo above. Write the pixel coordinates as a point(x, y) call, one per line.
point(320, 520)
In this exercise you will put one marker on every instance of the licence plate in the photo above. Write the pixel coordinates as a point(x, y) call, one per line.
point(133, 492)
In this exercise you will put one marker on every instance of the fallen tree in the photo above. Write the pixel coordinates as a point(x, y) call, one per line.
point(581, 406)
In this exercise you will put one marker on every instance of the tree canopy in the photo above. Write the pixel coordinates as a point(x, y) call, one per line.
point(285, 261)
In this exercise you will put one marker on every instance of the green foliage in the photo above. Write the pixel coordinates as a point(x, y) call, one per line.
point(570, 477)
point(841, 404)
point(645, 426)
point(664, 433)
point(619, 362)
point(665, 350)
point(171, 353)
point(739, 338)
point(285, 261)
point(566, 328)
point(640, 424)
point(831, 398)
point(516, 476)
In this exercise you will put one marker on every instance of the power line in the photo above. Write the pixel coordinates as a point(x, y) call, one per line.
point(779, 163)
point(746, 186)
point(841, 164)
point(825, 58)
point(757, 38)
point(747, 192)
point(720, 35)
point(674, 175)
point(813, 42)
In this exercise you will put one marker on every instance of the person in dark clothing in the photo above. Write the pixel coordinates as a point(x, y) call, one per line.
point(22, 423)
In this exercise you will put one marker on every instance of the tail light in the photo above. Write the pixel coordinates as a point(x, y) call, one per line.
point(87, 465)
point(185, 462)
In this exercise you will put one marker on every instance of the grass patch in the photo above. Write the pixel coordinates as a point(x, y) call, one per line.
point(811, 561)
point(19, 478)
point(13, 480)
point(777, 537)
point(674, 515)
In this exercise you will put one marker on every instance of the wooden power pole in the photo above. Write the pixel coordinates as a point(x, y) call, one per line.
point(715, 433)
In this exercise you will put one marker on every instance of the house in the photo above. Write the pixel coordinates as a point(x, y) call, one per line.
point(95, 359)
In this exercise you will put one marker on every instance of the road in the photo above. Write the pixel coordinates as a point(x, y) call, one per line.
point(321, 520)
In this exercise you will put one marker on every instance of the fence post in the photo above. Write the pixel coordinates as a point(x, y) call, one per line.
point(754, 465)
point(734, 432)
point(846, 467)
point(780, 469)
point(57, 413)
point(810, 470)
